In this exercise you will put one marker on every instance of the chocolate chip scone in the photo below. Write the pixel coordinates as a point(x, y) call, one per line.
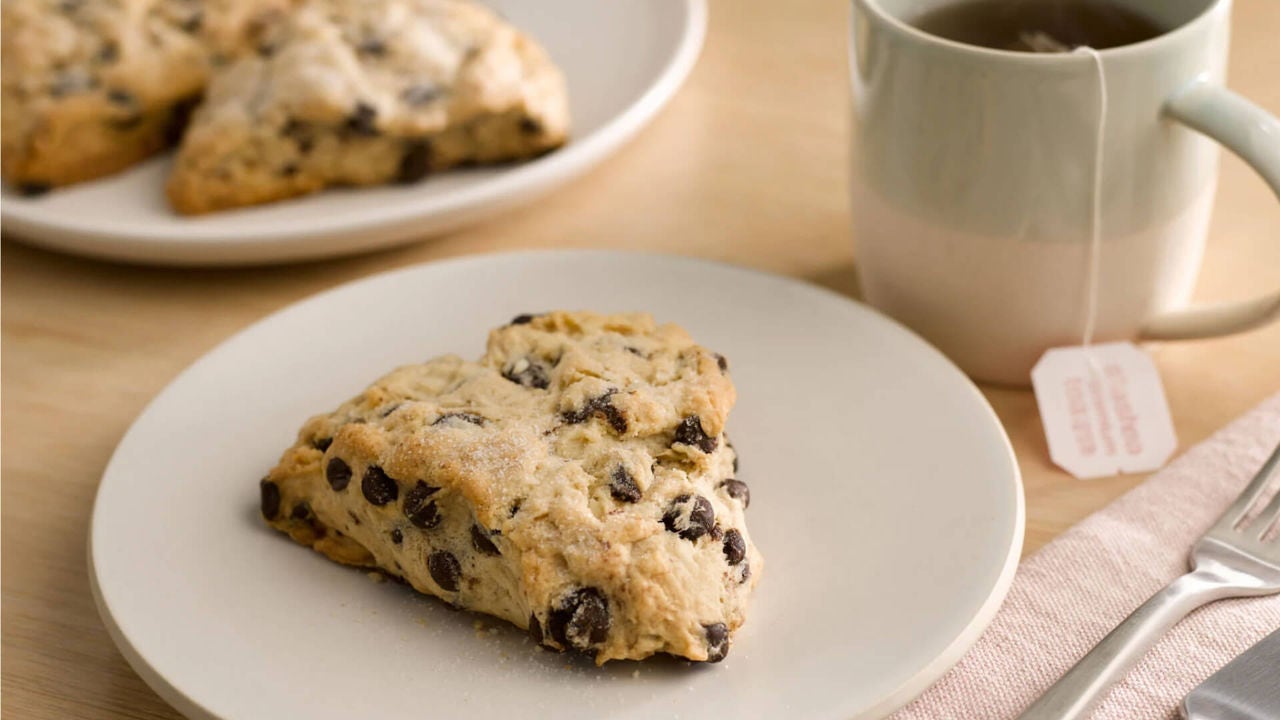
point(576, 482)
point(91, 87)
point(369, 92)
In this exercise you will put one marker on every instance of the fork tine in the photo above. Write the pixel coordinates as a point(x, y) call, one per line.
point(1240, 507)
point(1268, 516)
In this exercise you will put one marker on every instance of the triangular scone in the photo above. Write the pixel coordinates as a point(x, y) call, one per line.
point(576, 482)
point(368, 92)
point(93, 86)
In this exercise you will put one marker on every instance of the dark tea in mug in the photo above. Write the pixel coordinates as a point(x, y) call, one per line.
point(1038, 25)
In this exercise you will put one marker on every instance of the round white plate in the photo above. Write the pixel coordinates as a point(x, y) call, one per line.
point(623, 60)
point(885, 499)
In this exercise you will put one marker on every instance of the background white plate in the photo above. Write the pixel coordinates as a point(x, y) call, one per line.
point(885, 499)
point(623, 60)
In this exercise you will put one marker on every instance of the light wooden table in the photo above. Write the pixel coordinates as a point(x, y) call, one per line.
point(746, 165)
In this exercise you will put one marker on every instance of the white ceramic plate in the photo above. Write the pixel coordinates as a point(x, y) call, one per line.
point(623, 60)
point(885, 499)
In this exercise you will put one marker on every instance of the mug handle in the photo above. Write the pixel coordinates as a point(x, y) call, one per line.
point(1254, 135)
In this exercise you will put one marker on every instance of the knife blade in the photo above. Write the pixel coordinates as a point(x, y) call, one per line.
point(1247, 688)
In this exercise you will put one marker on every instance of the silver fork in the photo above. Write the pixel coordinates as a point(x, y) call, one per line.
point(1231, 560)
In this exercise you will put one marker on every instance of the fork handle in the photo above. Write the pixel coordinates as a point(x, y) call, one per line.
point(1075, 693)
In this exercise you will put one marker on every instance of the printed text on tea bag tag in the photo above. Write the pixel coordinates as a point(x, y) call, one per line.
point(1103, 409)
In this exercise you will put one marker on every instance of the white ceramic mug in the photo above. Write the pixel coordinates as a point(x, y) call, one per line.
point(972, 183)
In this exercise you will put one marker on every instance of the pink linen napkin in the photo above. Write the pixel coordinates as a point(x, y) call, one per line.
point(1072, 592)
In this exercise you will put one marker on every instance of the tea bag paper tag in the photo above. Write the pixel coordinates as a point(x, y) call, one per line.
point(1103, 409)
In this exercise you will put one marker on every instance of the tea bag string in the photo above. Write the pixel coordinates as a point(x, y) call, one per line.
point(1092, 279)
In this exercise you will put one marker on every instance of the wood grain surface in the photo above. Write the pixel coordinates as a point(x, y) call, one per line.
point(747, 165)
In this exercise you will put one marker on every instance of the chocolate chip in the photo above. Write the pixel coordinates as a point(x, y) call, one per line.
point(415, 164)
point(515, 508)
point(735, 548)
point(524, 319)
point(420, 510)
point(481, 542)
point(179, 117)
point(635, 351)
point(616, 419)
point(300, 133)
point(444, 569)
point(108, 53)
point(322, 444)
point(372, 47)
point(34, 189)
point(397, 537)
point(530, 126)
point(580, 620)
point(716, 533)
point(193, 23)
point(464, 416)
point(128, 122)
point(722, 362)
point(289, 170)
point(421, 94)
point(378, 487)
point(121, 97)
point(738, 490)
point(132, 116)
point(338, 472)
point(363, 120)
point(690, 432)
point(601, 406)
point(427, 515)
point(735, 461)
point(529, 373)
point(301, 511)
point(746, 572)
point(701, 517)
point(535, 629)
point(717, 641)
point(270, 499)
point(623, 487)
point(125, 101)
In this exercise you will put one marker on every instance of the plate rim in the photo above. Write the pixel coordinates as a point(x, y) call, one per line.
point(934, 671)
point(380, 226)
point(904, 693)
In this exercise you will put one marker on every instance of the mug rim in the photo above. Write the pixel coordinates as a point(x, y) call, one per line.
point(981, 52)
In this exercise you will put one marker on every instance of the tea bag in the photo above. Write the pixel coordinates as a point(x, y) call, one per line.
point(1103, 406)
point(1041, 42)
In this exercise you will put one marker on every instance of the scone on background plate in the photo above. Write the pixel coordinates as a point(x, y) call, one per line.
point(91, 87)
point(576, 482)
point(368, 92)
